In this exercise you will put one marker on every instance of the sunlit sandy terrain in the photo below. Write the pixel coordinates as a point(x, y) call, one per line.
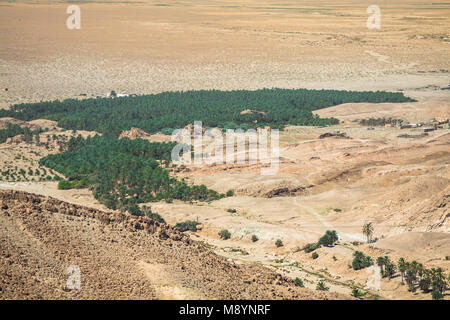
point(401, 185)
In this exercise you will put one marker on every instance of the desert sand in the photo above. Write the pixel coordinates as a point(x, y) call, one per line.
point(401, 185)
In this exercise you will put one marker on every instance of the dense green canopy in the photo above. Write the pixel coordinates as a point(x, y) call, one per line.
point(223, 109)
point(123, 172)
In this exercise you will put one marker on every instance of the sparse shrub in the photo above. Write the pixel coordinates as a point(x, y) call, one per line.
point(315, 255)
point(224, 234)
point(356, 293)
point(310, 247)
point(169, 200)
point(337, 210)
point(279, 243)
point(254, 238)
point(321, 286)
point(155, 216)
point(187, 225)
point(231, 210)
point(230, 193)
point(299, 282)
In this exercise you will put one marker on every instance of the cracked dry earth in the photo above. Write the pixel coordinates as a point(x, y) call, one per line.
point(119, 256)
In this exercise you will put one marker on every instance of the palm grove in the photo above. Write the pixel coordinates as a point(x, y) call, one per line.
point(170, 110)
point(123, 172)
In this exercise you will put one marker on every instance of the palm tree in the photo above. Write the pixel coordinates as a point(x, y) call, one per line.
point(402, 268)
point(389, 268)
point(367, 230)
point(381, 263)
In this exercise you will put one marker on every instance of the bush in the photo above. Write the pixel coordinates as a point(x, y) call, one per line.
point(230, 193)
point(437, 295)
point(187, 225)
point(321, 286)
point(155, 216)
point(231, 210)
point(135, 210)
point(224, 234)
point(279, 243)
point(361, 261)
point(299, 282)
point(315, 255)
point(254, 238)
point(310, 247)
point(356, 293)
point(329, 238)
point(64, 185)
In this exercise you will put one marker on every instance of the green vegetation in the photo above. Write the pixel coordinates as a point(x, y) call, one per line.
point(224, 234)
point(413, 273)
point(230, 193)
point(310, 247)
point(321, 286)
point(387, 268)
point(278, 243)
point(416, 276)
point(13, 130)
point(380, 122)
point(254, 238)
point(329, 238)
point(123, 172)
point(357, 293)
point(360, 260)
point(155, 216)
point(314, 255)
point(164, 111)
point(367, 230)
point(231, 210)
point(187, 225)
point(13, 174)
point(75, 184)
point(299, 282)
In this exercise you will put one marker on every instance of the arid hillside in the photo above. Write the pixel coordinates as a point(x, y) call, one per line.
point(120, 257)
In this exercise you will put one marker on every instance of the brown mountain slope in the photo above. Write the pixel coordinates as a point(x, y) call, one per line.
point(119, 256)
